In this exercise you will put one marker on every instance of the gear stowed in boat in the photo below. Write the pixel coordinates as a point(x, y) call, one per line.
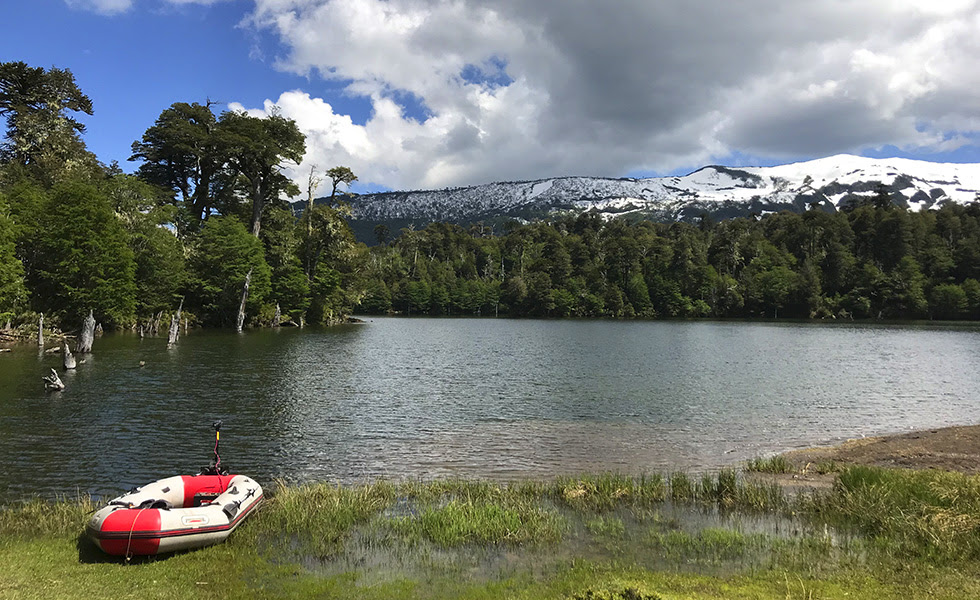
point(176, 513)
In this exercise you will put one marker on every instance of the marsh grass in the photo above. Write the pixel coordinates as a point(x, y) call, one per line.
point(317, 518)
point(467, 521)
point(773, 464)
point(926, 514)
point(604, 492)
point(34, 517)
point(915, 535)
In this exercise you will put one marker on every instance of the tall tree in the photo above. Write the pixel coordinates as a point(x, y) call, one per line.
point(181, 153)
point(256, 150)
point(83, 260)
point(41, 134)
point(340, 175)
point(13, 294)
point(222, 255)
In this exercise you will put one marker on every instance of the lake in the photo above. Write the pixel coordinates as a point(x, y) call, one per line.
point(401, 398)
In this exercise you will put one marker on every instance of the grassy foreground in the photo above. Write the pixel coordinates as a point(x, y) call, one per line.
point(878, 534)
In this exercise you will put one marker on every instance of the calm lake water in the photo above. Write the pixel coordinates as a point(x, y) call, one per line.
point(487, 398)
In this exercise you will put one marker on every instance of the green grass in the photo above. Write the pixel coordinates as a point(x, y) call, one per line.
point(916, 536)
point(480, 522)
point(924, 514)
point(774, 464)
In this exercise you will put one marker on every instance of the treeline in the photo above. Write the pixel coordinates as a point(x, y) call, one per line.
point(205, 211)
point(873, 260)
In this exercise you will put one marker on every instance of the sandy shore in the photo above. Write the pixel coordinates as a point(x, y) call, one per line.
point(949, 448)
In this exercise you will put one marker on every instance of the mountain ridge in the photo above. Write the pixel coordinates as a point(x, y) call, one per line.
point(719, 191)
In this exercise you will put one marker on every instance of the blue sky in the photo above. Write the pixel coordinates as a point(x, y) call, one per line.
point(419, 94)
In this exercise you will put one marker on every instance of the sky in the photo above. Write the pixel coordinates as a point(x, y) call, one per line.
point(421, 94)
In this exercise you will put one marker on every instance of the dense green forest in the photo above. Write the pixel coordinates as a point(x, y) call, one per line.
point(208, 207)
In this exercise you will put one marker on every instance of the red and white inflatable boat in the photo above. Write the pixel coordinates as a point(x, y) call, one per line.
point(177, 513)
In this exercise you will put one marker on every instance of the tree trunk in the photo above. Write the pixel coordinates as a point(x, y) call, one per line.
point(175, 326)
point(141, 330)
point(276, 318)
point(302, 322)
point(241, 308)
point(52, 382)
point(40, 331)
point(66, 356)
point(88, 335)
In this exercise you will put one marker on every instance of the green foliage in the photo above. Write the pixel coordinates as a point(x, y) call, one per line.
point(221, 256)
point(81, 258)
point(13, 294)
point(40, 134)
point(875, 261)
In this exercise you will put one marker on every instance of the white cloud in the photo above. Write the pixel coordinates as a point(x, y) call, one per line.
point(580, 87)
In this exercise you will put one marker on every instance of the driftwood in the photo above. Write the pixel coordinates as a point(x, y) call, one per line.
point(175, 326)
point(276, 318)
point(40, 330)
point(87, 336)
point(302, 322)
point(52, 382)
point(141, 330)
point(241, 308)
point(66, 356)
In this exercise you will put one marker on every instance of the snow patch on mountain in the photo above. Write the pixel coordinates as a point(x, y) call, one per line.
point(830, 182)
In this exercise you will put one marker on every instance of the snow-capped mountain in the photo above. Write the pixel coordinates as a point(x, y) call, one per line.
point(719, 191)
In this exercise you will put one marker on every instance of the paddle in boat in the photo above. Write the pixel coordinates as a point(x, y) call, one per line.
point(176, 513)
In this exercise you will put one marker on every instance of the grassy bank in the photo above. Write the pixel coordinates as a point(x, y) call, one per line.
point(877, 534)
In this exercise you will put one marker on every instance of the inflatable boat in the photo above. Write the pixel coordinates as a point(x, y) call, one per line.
point(177, 513)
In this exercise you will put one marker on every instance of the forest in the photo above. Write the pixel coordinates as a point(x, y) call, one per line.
point(209, 206)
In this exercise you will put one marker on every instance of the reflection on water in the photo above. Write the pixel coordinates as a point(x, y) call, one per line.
point(503, 399)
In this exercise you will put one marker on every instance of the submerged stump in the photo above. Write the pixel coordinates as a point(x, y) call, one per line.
point(66, 356)
point(175, 326)
point(52, 382)
point(87, 336)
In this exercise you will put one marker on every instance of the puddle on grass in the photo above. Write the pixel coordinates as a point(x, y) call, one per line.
point(666, 537)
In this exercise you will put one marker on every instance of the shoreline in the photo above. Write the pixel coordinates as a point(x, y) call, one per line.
point(953, 448)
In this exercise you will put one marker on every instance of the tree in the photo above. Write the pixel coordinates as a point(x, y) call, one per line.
point(83, 260)
point(339, 175)
point(181, 153)
point(223, 254)
point(948, 301)
point(382, 233)
point(159, 254)
point(13, 294)
point(256, 149)
point(35, 103)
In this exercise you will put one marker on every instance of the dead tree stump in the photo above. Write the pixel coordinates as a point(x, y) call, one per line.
point(175, 326)
point(241, 308)
point(66, 356)
point(88, 335)
point(52, 382)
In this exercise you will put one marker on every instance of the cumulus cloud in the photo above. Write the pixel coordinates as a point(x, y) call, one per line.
point(510, 89)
